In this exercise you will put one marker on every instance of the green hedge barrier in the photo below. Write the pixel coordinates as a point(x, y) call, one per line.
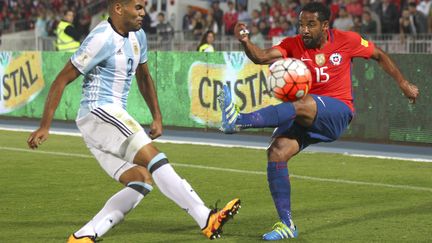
point(187, 84)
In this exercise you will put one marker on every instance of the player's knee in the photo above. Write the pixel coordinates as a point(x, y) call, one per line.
point(305, 107)
point(140, 187)
point(281, 150)
point(274, 153)
point(137, 173)
point(156, 162)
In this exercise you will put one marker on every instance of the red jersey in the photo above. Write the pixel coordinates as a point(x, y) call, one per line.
point(331, 65)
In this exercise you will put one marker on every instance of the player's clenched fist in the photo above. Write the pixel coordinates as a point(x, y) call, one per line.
point(241, 32)
point(410, 90)
point(37, 138)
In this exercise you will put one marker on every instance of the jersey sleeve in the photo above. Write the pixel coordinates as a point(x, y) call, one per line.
point(285, 47)
point(92, 52)
point(360, 47)
point(142, 38)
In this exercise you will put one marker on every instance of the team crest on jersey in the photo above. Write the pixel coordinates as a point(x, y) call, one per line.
point(335, 59)
point(320, 59)
point(135, 48)
point(83, 58)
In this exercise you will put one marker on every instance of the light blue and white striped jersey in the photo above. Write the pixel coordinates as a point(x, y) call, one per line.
point(108, 62)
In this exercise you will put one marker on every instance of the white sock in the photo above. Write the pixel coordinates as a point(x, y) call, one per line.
point(112, 213)
point(179, 191)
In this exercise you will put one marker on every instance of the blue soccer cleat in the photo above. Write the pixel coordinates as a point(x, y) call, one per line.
point(281, 231)
point(230, 111)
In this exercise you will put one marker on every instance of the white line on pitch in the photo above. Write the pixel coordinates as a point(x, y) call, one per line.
point(227, 145)
point(340, 181)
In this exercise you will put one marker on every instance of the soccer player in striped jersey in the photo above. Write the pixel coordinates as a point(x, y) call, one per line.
point(322, 115)
point(109, 57)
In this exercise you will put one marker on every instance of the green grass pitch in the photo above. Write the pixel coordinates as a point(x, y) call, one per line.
point(47, 194)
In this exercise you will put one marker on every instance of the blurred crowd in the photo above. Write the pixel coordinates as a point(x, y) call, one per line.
point(42, 15)
point(272, 18)
point(280, 17)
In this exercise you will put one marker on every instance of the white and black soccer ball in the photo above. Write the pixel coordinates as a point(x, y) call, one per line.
point(289, 79)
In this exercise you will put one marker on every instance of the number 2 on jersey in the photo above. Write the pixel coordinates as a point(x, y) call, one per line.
point(130, 67)
point(321, 75)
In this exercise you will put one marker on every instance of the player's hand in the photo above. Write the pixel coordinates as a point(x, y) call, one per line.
point(241, 32)
point(155, 129)
point(37, 137)
point(410, 91)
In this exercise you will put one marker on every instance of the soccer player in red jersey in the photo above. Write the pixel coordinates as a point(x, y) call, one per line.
point(322, 115)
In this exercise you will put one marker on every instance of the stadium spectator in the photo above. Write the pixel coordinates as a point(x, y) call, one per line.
point(273, 18)
point(334, 10)
point(243, 15)
point(146, 23)
point(418, 20)
point(41, 24)
point(388, 13)
point(275, 30)
point(288, 10)
point(4, 18)
point(288, 29)
point(52, 23)
point(265, 10)
point(357, 21)
point(430, 21)
point(206, 43)
point(344, 21)
point(406, 24)
point(354, 8)
point(188, 19)
point(210, 23)
point(368, 25)
point(263, 28)
point(374, 17)
point(217, 14)
point(82, 22)
point(275, 7)
point(68, 37)
point(165, 31)
point(256, 37)
point(424, 7)
point(255, 17)
point(230, 18)
point(198, 25)
point(154, 18)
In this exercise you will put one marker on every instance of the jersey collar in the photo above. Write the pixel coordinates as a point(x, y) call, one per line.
point(114, 28)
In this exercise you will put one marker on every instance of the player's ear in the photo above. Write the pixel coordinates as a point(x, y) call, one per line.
point(118, 8)
point(325, 25)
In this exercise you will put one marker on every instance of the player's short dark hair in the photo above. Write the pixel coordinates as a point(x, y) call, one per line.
point(112, 2)
point(317, 7)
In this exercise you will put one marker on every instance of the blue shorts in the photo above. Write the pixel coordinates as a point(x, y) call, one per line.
point(332, 118)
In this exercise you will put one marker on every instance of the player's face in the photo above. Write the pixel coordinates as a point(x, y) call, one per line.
point(133, 14)
point(312, 31)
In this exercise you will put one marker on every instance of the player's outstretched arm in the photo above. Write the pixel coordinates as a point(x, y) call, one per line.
point(66, 76)
point(410, 90)
point(255, 54)
point(148, 91)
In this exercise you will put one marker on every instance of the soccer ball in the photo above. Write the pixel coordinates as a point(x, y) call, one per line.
point(289, 79)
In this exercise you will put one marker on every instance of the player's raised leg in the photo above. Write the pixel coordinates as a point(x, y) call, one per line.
point(271, 116)
point(181, 192)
